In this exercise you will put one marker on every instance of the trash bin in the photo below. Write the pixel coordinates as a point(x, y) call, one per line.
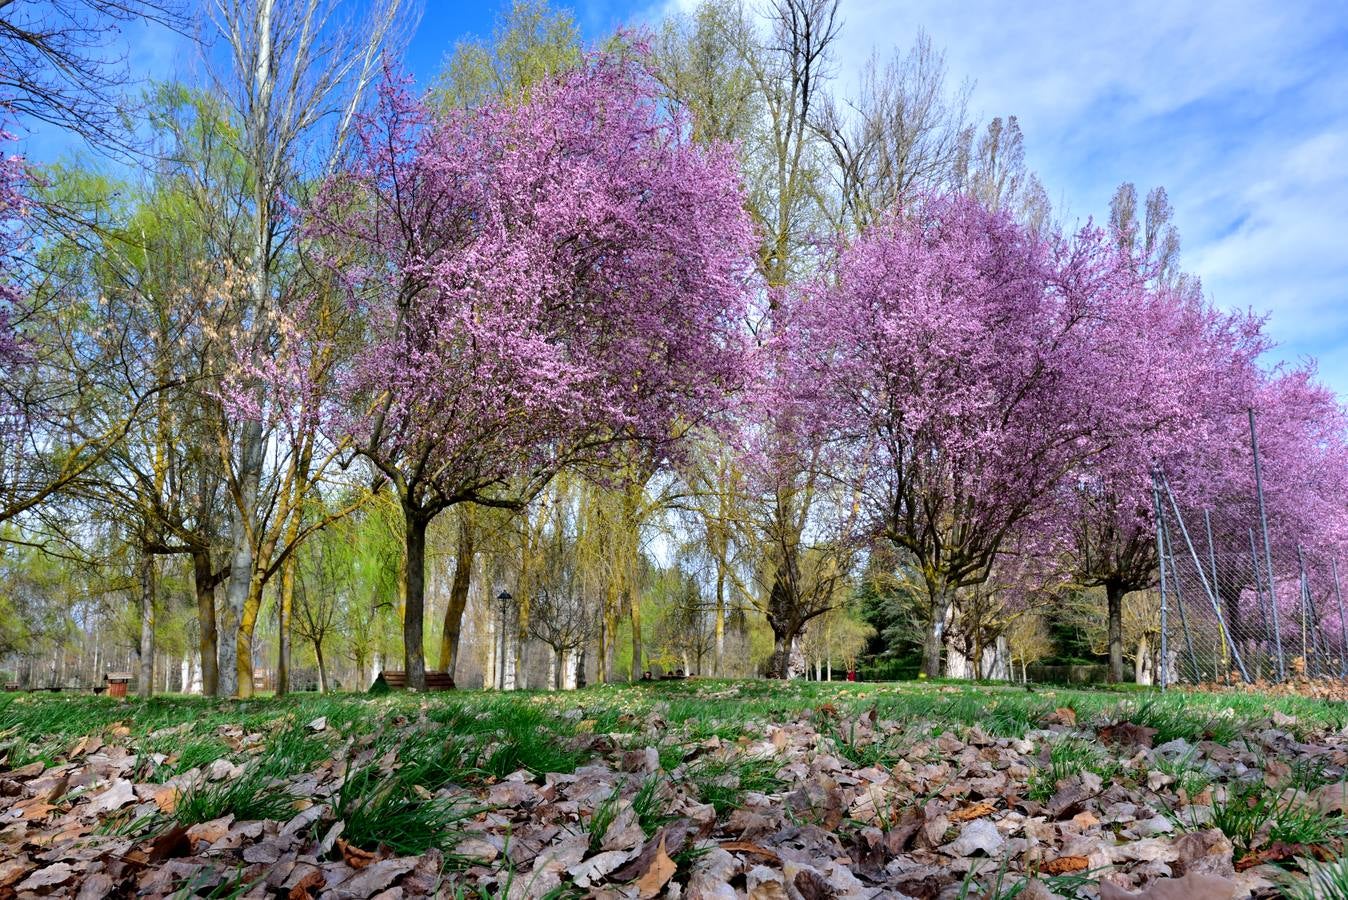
point(117, 682)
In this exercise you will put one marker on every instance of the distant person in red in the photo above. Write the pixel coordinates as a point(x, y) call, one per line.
point(851, 674)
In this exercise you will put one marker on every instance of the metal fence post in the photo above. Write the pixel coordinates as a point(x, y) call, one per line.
point(1160, 563)
point(1268, 548)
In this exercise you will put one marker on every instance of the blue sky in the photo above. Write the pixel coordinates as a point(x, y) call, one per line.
point(1238, 107)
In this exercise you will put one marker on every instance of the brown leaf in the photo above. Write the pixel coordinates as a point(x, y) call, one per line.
point(658, 872)
point(1064, 864)
point(11, 870)
point(172, 843)
point(166, 799)
point(32, 770)
point(309, 883)
point(975, 811)
point(355, 857)
point(1127, 734)
point(750, 848)
point(1063, 715)
point(57, 790)
point(96, 887)
point(53, 875)
point(812, 886)
point(210, 832)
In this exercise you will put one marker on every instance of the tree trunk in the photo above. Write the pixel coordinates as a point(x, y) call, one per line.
point(414, 599)
point(559, 663)
point(934, 640)
point(322, 668)
point(634, 607)
point(242, 522)
point(145, 683)
point(243, 651)
point(719, 662)
point(1114, 596)
point(784, 636)
point(458, 596)
point(204, 582)
point(285, 605)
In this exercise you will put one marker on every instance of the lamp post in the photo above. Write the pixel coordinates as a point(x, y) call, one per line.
point(504, 599)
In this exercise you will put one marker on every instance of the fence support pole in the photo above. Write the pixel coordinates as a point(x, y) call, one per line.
point(1179, 602)
point(1268, 547)
point(1203, 579)
point(1216, 590)
point(1259, 600)
point(1161, 670)
point(1343, 631)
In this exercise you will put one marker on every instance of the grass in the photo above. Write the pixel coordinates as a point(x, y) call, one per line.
point(1323, 881)
point(1068, 756)
point(1250, 813)
point(723, 781)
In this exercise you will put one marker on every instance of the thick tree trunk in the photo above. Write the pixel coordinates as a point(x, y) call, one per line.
point(934, 640)
point(634, 605)
point(285, 608)
point(322, 667)
point(458, 596)
point(414, 599)
point(243, 649)
point(1114, 597)
point(242, 521)
point(204, 582)
point(145, 683)
point(559, 666)
point(784, 646)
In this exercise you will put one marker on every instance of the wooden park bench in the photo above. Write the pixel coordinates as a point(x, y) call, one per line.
point(435, 681)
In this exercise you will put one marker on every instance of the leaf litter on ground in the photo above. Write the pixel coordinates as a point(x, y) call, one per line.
point(705, 789)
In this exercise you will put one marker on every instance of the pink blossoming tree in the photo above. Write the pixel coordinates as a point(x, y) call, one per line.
point(541, 285)
point(966, 366)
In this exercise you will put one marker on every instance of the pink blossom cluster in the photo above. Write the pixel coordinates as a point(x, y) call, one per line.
point(537, 281)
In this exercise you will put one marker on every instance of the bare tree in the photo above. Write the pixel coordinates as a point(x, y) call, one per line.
point(559, 614)
point(999, 178)
point(905, 134)
point(295, 76)
point(61, 62)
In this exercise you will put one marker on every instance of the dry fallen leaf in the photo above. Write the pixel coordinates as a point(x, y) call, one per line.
point(653, 880)
point(305, 888)
point(750, 848)
point(1064, 864)
point(355, 857)
point(975, 811)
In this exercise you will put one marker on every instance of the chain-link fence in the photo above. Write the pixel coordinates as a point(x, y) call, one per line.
point(1240, 602)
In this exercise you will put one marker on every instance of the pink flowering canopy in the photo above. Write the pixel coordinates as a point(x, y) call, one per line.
point(958, 358)
point(963, 366)
point(538, 281)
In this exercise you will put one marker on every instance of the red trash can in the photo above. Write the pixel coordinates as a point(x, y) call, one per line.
point(117, 682)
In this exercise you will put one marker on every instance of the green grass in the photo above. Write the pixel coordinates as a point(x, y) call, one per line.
point(1070, 756)
point(1246, 811)
point(723, 781)
point(1323, 881)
